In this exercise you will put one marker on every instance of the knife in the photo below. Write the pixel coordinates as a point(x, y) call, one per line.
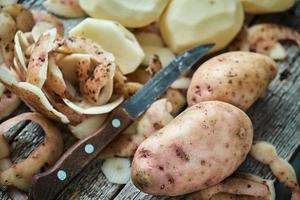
point(47, 185)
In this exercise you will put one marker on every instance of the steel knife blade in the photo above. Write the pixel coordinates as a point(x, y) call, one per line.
point(49, 184)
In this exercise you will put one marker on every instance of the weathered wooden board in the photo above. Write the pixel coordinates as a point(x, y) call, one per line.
point(276, 119)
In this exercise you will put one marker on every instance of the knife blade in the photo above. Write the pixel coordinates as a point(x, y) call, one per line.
point(47, 185)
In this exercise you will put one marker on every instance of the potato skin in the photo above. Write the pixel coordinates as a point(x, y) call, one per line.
point(201, 147)
point(238, 78)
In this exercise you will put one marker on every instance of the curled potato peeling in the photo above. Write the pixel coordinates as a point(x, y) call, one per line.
point(266, 153)
point(125, 145)
point(64, 8)
point(130, 13)
point(41, 16)
point(188, 23)
point(240, 185)
point(238, 78)
point(266, 6)
point(67, 79)
point(265, 39)
point(20, 174)
point(38, 62)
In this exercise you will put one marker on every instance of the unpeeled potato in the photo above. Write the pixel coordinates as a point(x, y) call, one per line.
point(114, 38)
point(198, 149)
point(266, 6)
point(238, 78)
point(130, 13)
point(188, 23)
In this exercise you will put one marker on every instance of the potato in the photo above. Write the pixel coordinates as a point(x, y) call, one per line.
point(266, 6)
point(113, 37)
point(200, 148)
point(188, 23)
point(165, 54)
point(69, 8)
point(238, 78)
point(130, 13)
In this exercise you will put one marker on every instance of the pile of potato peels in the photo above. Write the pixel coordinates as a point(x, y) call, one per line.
point(78, 78)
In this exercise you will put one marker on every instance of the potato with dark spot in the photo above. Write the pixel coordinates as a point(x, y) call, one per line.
point(238, 78)
point(201, 147)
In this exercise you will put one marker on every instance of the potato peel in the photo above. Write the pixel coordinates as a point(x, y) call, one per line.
point(84, 108)
point(20, 174)
point(239, 185)
point(266, 153)
point(88, 126)
point(38, 62)
point(265, 39)
point(41, 16)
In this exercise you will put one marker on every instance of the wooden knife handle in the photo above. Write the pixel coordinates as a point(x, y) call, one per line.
point(47, 185)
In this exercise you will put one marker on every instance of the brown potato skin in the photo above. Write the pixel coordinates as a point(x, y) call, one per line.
point(199, 148)
point(238, 78)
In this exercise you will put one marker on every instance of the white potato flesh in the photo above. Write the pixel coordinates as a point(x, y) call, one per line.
point(266, 6)
point(149, 39)
point(113, 37)
point(165, 54)
point(7, 2)
point(188, 23)
point(64, 8)
point(40, 28)
point(130, 13)
point(116, 170)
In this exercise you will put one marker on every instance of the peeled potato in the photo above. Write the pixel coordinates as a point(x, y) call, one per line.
point(130, 13)
point(64, 8)
point(113, 37)
point(165, 54)
point(188, 23)
point(116, 170)
point(266, 6)
point(149, 39)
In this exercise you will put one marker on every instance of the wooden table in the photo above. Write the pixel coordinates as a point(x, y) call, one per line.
point(276, 119)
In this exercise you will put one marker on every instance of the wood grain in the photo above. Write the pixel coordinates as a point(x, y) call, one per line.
point(276, 119)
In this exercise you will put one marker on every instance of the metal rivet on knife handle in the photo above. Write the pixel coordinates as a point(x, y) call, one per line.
point(89, 148)
point(116, 123)
point(61, 175)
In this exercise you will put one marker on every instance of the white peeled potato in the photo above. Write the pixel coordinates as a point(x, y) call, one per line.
point(130, 13)
point(266, 6)
point(39, 28)
point(116, 170)
point(149, 39)
point(64, 8)
point(188, 23)
point(113, 37)
point(7, 2)
point(165, 54)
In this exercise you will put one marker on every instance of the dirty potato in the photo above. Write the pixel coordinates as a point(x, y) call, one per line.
point(238, 78)
point(200, 148)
